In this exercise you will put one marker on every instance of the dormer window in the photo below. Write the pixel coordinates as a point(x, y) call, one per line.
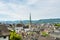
point(4, 37)
point(0, 30)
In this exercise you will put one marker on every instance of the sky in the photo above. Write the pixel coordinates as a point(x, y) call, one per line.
point(20, 9)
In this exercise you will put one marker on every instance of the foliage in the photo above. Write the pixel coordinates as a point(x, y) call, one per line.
point(44, 34)
point(57, 26)
point(15, 36)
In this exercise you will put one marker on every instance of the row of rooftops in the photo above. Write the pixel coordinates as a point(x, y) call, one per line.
point(4, 30)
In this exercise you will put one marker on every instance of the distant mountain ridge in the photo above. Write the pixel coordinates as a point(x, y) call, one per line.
point(56, 20)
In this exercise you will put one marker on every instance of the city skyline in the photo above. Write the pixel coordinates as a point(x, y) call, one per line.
point(20, 9)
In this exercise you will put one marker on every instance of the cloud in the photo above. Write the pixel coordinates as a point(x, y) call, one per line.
point(29, 2)
point(20, 9)
point(13, 11)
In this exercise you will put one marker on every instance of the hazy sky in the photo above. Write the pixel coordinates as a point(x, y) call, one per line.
point(20, 9)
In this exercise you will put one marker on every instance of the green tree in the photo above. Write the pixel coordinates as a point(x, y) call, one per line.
point(15, 36)
point(44, 34)
point(57, 26)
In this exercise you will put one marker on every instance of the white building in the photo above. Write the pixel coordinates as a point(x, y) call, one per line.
point(4, 38)
point(4, 33)
point(18, 28)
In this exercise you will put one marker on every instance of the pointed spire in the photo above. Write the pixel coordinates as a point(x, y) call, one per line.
point(30, 22)
point(30, 18)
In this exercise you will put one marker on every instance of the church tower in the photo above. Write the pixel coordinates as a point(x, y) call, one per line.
point(30, 22)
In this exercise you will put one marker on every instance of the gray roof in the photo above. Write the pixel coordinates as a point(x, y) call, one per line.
point(4, 31)
point(55, 34)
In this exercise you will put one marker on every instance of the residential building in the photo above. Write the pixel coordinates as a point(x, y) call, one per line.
point(4, 33)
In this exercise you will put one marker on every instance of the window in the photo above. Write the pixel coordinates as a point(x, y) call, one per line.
point(4, 37)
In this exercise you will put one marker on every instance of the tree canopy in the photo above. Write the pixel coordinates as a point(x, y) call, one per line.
point(15, 36)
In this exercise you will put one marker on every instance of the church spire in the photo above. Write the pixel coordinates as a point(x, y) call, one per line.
point(30, 22)
point(30, 18)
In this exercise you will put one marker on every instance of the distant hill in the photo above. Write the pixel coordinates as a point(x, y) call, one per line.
point(10, 22)
point(56, 20)
point(18, 21)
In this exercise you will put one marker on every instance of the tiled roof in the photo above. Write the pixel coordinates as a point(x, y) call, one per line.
point(19, 25)
point(3, 30)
